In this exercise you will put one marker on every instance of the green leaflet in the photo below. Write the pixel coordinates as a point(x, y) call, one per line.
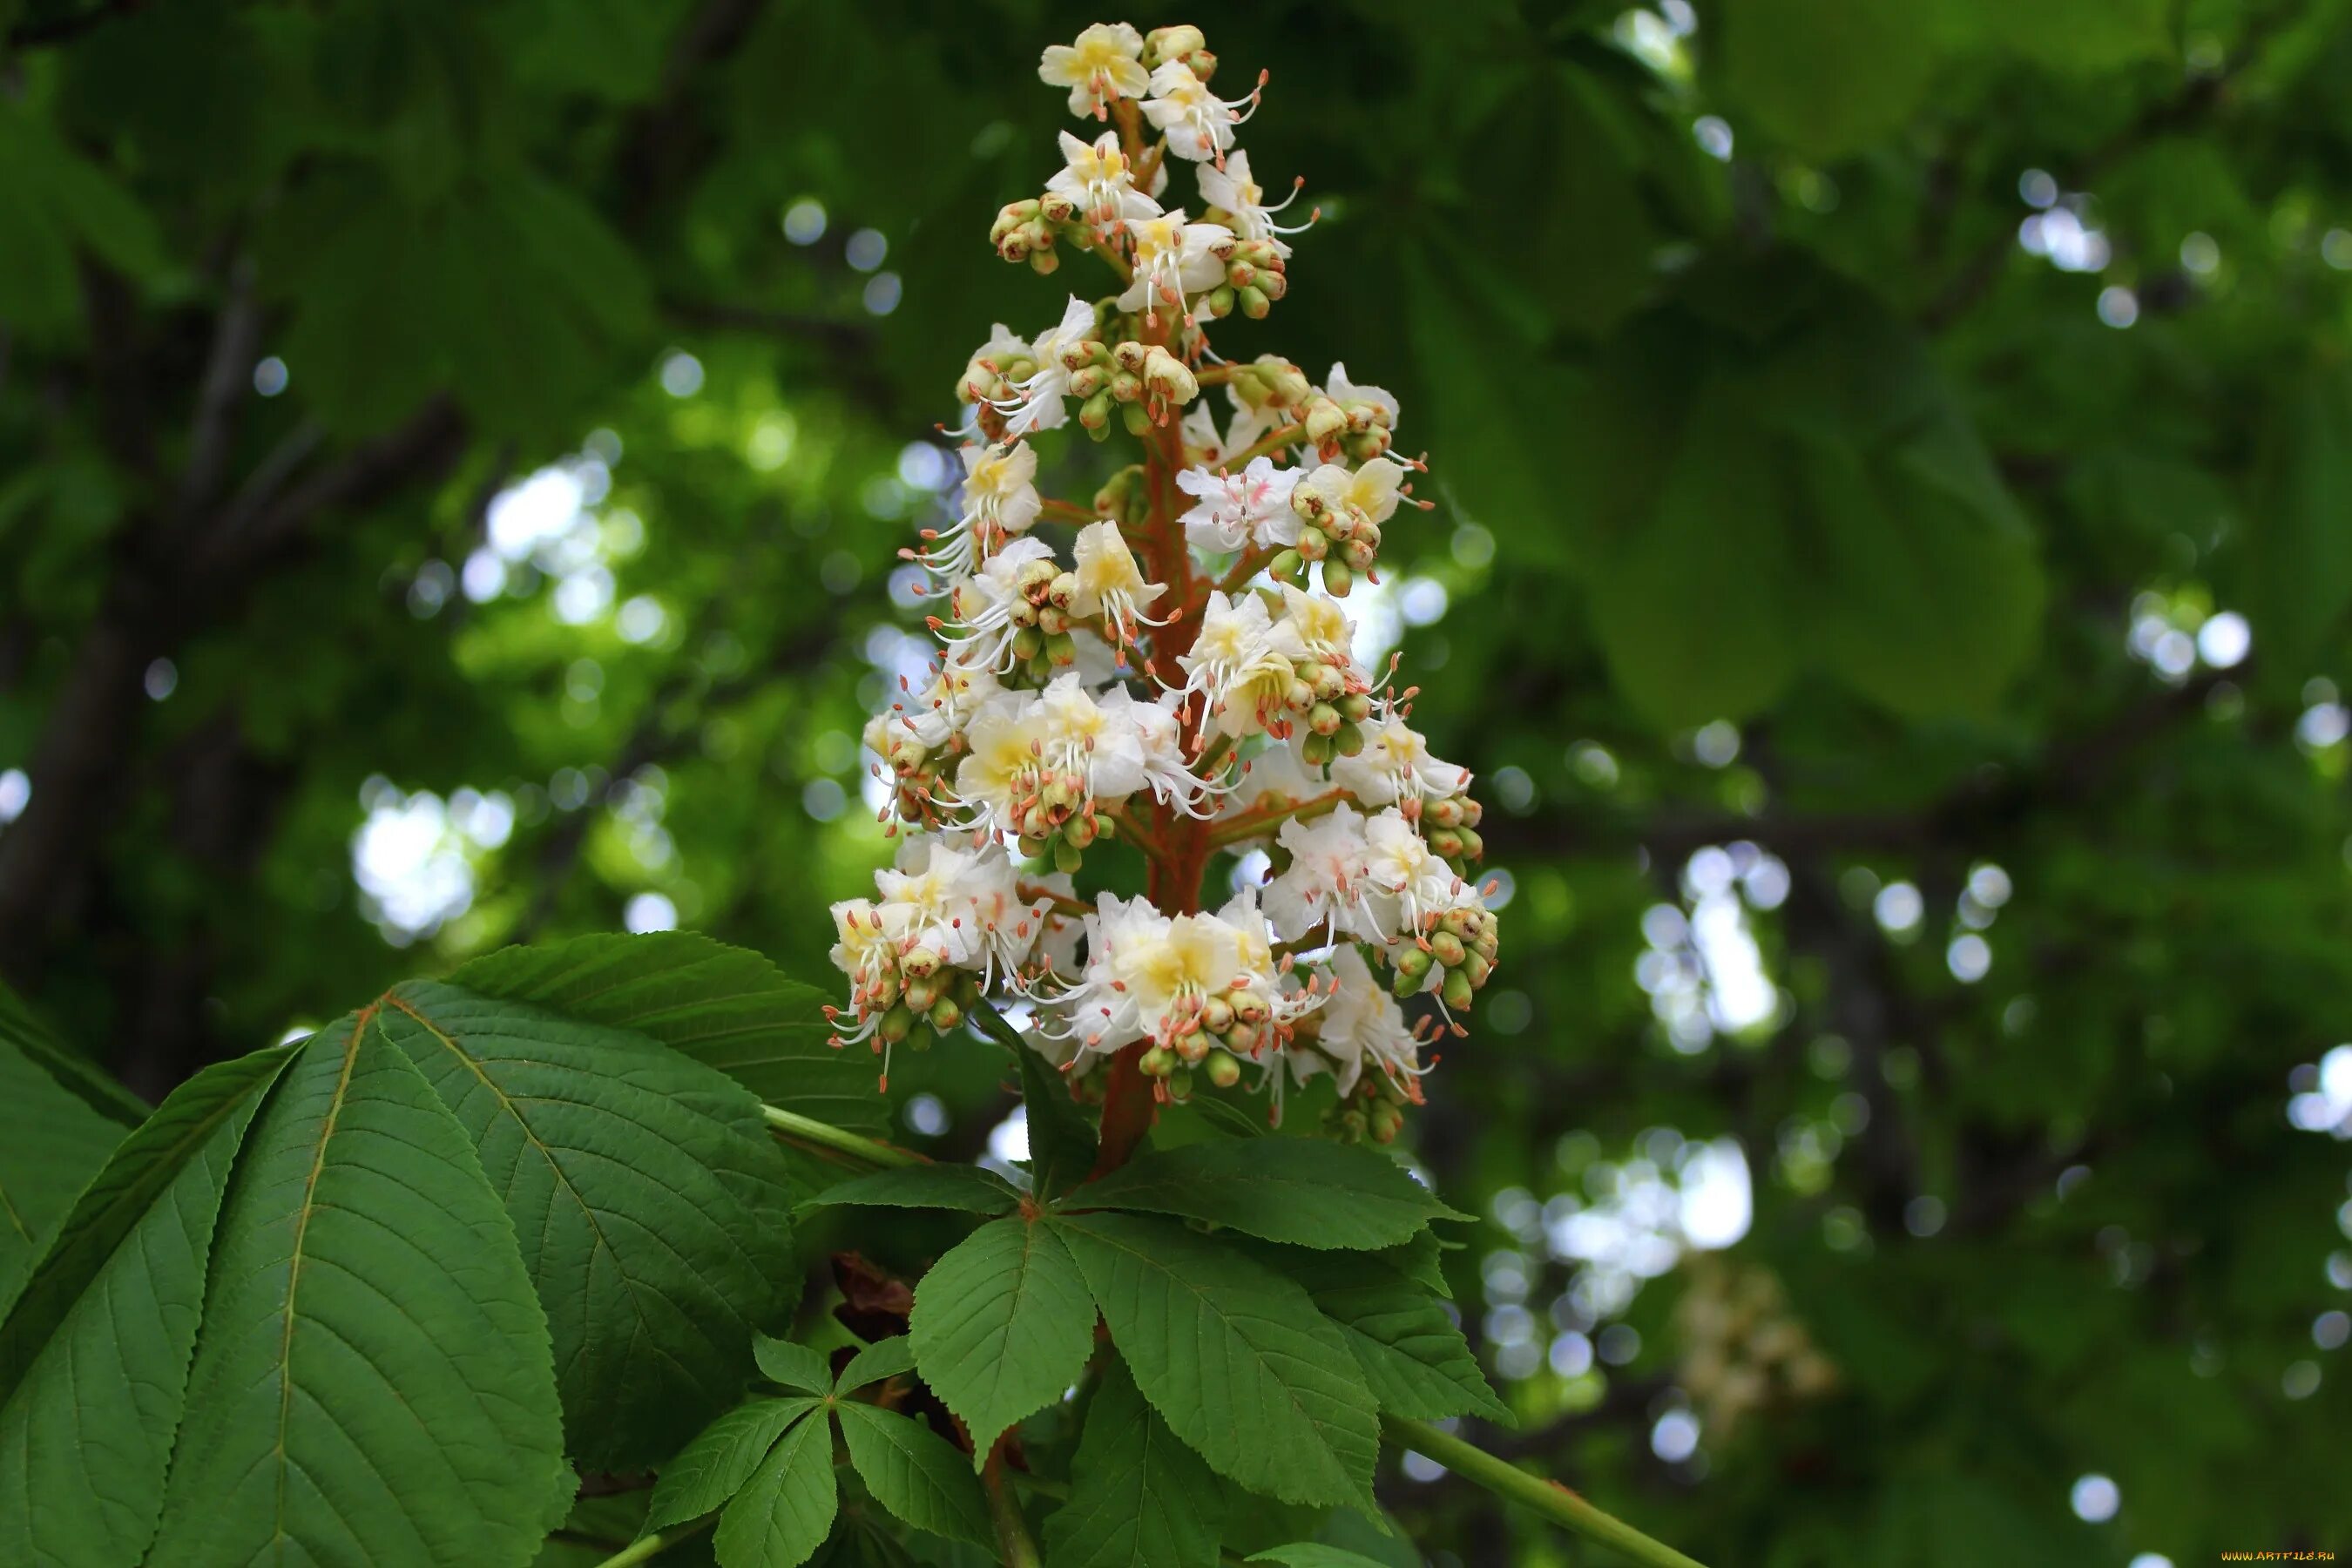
point(91, 1390)
point(965, 1187)
point(785, 1510)
point(793, 1365)
point(371, 1378)
point(1414, 1359)
point(725, 1007)
point(914, 1474)
point(1139, 1497)
point(716, 1465)
point(1062, 1143)
point(884, 1358)
point(1298, 1190)
point(58, 1121)
point(1001, 1325)
point(1312, 1554)
point(647, 1195)
point(1235, 1357)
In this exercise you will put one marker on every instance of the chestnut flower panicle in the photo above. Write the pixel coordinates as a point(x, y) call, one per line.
point(1159, 680)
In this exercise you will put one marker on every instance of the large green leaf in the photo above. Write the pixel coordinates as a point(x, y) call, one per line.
point(1306, 1191)
point(59, 205)
point(371, 1378)
point(912, 1472)
point(53, 1138)
point(1313, 1554)
point(1414, 1357)
point(1776, 480)
point(953, 1186)
point(647, 1196)
point(1001, 1326)
point(714, 1467)
point(1821, 77)
point(785, 1510)
point(886, 1358)
point(725, 1007)
point(94, 1356)
point(1139, 1497)
point(1234, 1356)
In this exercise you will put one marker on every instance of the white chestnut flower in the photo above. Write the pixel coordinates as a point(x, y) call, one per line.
point(1234, 665)
point(1096, 179)
point(1232, 189)
point(1396, 766)
point(999, 499)
point(1240, 510)
point(1198, 124)
point(1361, 1025)
point(1367, 494)
point(1110, 583)
point(1104, 64)
point(1038, 403)
point(1343, 392)
point(1172, 259)
point(1329, 874)
point(982, 605)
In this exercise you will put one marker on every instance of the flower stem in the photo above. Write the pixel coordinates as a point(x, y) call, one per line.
point(1066, 512)
point(1266, 447)
point(794, 1127)
point(1550, 1498)
point(1250, 824)
point(646, 1546)
point(1005, 1511)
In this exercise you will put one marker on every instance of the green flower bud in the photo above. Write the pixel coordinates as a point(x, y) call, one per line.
point(1338, 579)
point(1447, 948)
point(1224, 1070)
point(946, 1015)
point(1254, 301)
point(1138, 421)
point(1456, 992)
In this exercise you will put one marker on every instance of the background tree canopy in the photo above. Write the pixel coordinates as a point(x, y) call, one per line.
point(1891, 576)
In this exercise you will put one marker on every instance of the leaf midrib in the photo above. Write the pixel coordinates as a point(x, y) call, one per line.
point(555, 1167)
point(366, 1016)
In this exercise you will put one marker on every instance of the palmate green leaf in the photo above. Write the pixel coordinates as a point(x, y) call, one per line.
point(1235, 1357)
point(785, 1509)
point(793, 1365)
point(1414, 1359)
point(914, 1473)
point(725, 1007)
point(53, 1136)
point(714, 1467)
point(1304, 1191)
point(967, 1188)
point(648, 1196)
point(371, 1379)
point(94, 1355)
point(1001, 1326)
point(1139, 1497)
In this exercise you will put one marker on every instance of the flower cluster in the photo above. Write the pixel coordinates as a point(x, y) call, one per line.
point(1743, 1351)
point(1160, 683)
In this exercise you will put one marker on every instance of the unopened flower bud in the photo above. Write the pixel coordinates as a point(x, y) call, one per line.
point(1224, 1071)
point(1457, 991)
point(1158, 1062)
point(1168, 377)
point(946, 1015)
point(1338, 578)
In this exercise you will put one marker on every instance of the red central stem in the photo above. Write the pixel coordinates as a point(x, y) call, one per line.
point(1172, 876)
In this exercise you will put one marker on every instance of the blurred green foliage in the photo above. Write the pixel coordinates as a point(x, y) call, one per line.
point(467, 443)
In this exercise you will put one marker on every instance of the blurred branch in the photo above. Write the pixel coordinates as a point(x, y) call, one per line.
point(1989, 800)
point(65, 29)
point(2199, 97)
point(848, 346)
point(672, 721)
